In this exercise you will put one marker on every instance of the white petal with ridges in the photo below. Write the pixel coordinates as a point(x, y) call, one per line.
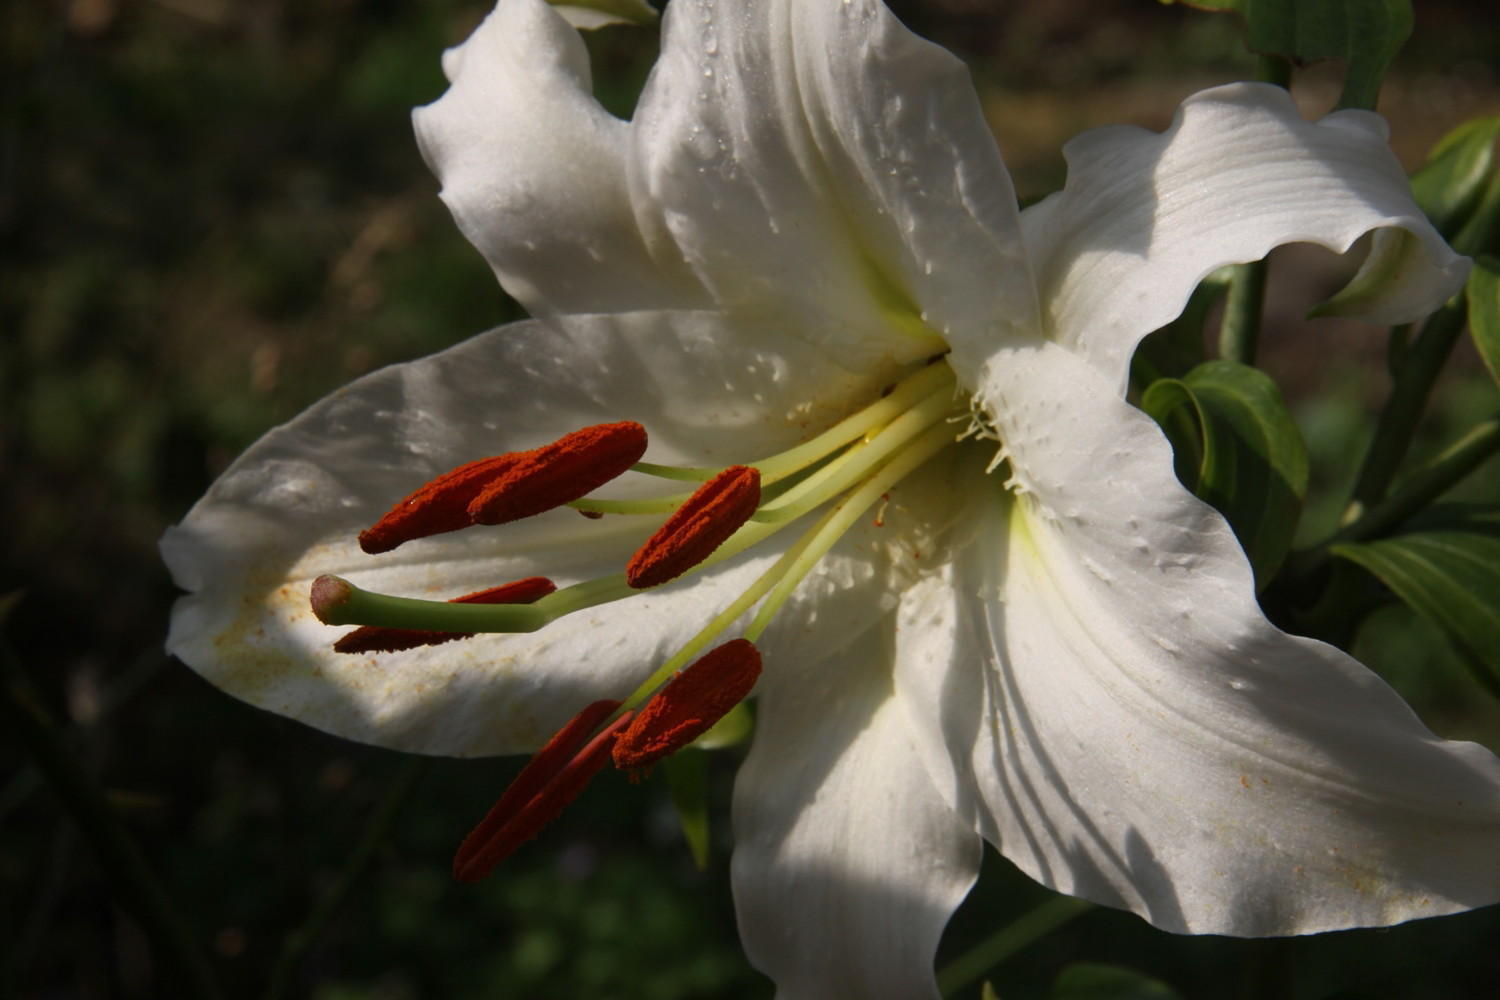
point(289, 510)
point(821, 163)
point(1144, 216)
point(1114, 711)
point(847, 864)
point(533, 170)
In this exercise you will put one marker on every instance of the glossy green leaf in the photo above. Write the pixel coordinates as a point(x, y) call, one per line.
point(1483, 292)
point(1099, 981)
point(687, 779)
point(1238, 449)
point(1366, 34)
point(1447, 569)
point(1449, 184)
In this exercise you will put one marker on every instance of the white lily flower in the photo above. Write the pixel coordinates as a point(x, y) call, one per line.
point(1037, 638)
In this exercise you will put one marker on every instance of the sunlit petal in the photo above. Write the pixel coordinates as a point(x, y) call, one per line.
point(1145, 216)
point(1105, 700)
point(847, 863)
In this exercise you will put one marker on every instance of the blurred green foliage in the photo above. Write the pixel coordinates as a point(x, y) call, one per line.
point(212, 212)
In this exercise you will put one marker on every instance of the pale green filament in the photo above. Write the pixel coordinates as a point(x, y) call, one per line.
point(842, 517)
point(799, 559)
point(839, 475)
point(933, 380)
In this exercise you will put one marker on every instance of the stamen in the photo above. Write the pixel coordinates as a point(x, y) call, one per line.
point(689, 705)
point(440, 506)
point(374, 639)
point(548, 782)
point(559, 473)
point(697, 528)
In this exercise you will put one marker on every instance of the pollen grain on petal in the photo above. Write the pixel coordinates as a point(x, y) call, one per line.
point(545, 786)
point(689, 705)
point(569, 468)
point(376, 639)
point(703, 523)
point(440, 506)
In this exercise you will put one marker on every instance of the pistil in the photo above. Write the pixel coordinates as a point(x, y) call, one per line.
point(374, 639)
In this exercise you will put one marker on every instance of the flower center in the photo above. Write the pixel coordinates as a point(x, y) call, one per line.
point(846, 469)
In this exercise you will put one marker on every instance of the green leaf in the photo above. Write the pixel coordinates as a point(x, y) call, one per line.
point(598, 13)
point(1449, 185)
point(1483, 292)
point(1447, 569)
point(1099, 981)
point(1238, 449)
point(1366, 34)
point(687, 778)
point(987, 991)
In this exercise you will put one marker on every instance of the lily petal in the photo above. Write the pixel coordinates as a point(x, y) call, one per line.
point(289, 509)
point(533, 170)
point(1139, 734)
point(847, 863)
point(1145, 216)
point(850, 160)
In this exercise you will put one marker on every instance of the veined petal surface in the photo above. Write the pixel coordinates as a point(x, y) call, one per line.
point(847, 863)
point(533, 169)
point(1144, 216)
point(1113, 710)
point(290, 508)
point(820, 162)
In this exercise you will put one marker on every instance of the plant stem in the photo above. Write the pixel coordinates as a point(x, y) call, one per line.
point(1035, 925)
point(1416, 493)
point(1239, 332)
point(377, 831)
point(136, 886)
point(1410, 390)
point(1428, 483)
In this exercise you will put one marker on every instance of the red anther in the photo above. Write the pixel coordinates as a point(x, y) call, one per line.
point(695, 529)
point(571, 467)
point(548, 782)
point(375, 639)
point(690, 704)
point(441, 505)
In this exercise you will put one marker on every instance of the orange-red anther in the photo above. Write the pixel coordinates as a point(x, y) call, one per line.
point(704, 521)
point(548, 782)
point(375, 639)
point(441, 505)
point(571, 467)
point(690, 704)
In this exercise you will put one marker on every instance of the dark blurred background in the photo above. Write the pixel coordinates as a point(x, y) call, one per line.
point(211, 213)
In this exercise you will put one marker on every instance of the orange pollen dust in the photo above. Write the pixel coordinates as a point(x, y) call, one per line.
point(375, 639)
point(561, 472)
point(703, 523)
point(689, 704)
point(545, 786)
